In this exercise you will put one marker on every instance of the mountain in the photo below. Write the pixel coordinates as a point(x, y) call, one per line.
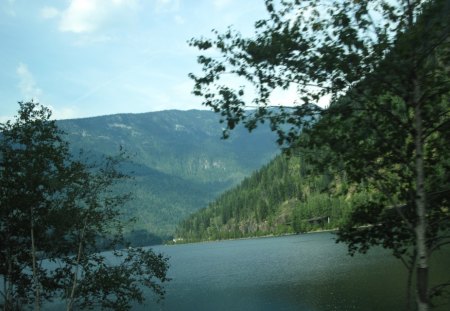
point(284, 196)
point(178, 160)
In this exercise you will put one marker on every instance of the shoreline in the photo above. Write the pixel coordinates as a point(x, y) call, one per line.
point(172, 243)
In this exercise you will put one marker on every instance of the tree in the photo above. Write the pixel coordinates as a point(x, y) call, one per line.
point(384, 66)
point(56, 214)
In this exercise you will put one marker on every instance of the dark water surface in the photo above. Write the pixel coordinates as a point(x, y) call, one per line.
point(304, 272)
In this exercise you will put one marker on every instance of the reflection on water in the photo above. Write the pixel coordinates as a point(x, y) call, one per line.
point(306, 272)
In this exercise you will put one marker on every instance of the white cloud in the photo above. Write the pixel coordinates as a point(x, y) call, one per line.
point(49, 12)
point(220, 4)
point(86, 16)
point(290, 97)
point(63, 113)
point(27, 84)
point(81, 16)
point(280, 97)
point(324, 101)
point(120, 2)
point(4, 119)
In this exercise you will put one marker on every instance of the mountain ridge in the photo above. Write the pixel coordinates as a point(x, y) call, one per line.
point(180, 163)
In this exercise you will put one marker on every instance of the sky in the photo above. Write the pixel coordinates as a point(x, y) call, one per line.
point(86, 58)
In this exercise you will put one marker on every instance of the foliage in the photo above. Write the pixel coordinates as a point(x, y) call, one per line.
point(384, 64)
point(57, 213)
point(283, 197)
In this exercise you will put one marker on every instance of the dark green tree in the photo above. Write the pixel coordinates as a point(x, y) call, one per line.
point(384, 66)
point(56, 214)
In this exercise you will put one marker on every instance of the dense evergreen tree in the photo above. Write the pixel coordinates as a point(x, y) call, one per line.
point(56, 214)
point(280, 198)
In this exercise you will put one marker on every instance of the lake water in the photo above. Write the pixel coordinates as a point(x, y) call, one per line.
point(307, 272)
point(304, 272)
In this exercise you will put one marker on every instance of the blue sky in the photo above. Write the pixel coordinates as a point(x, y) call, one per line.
point(95, 57)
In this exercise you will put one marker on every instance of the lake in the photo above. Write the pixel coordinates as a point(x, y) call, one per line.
point(308, 272)
point(301, 272)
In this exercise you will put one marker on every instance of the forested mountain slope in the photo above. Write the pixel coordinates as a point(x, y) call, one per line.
point(177, 159)
point(285, 196)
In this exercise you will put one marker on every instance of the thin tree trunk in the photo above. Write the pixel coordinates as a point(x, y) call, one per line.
point(409, 286)
point(408, 289)
point(5, 291)
point(69, 305)
point(421, 226)
point(8, 287)
point(37, 294)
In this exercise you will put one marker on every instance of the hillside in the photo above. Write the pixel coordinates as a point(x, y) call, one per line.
point(284, 196)
point(178, 160)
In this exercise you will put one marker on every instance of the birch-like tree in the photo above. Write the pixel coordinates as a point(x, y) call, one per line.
point(57, 213)
point(384, 67)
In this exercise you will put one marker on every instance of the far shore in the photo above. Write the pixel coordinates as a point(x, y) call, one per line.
point(181, 242)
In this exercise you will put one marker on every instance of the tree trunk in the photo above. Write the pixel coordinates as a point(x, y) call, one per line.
point(409, 286)
point(421, 225)
point(69, 305)
point(37, 294)
point(7, 285)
